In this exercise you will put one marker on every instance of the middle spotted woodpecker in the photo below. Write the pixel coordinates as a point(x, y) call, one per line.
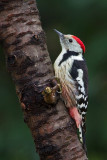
point(70, 67)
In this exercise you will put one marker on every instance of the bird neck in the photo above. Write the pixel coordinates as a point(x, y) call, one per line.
point(72, 54)
point(66, 54)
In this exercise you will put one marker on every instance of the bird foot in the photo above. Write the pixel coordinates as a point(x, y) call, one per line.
point(76, 116)
point(57, 87)
point(50, 93)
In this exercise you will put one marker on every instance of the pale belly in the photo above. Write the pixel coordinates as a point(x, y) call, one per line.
point(68, 85)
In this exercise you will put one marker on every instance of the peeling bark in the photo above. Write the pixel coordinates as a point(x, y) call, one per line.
point(28, 61)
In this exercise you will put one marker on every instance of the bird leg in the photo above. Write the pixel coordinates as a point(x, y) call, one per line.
point(50, 94)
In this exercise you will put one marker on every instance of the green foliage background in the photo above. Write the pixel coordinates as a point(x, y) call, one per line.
point(86, 19)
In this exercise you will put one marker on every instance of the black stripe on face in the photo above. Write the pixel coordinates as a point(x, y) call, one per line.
point(67, 55)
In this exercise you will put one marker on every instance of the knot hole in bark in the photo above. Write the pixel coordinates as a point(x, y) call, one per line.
point(39, 38)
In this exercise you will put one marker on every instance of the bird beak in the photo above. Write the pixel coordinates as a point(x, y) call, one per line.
point(61, 35)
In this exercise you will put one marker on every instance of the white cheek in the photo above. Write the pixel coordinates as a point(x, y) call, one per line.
point(74, 46)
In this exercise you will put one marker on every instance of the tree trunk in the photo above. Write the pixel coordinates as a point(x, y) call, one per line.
point(28, 61)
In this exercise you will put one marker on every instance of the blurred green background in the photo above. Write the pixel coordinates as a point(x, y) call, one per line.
point(87, 19)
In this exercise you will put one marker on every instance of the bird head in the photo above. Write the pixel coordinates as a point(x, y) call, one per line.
point(71, 43)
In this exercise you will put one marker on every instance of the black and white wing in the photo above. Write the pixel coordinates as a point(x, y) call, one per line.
point(79, 73)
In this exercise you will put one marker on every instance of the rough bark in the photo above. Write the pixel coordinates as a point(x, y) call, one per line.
point(28, 61)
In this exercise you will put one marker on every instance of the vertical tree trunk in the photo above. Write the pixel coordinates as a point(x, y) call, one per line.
point(28, 61)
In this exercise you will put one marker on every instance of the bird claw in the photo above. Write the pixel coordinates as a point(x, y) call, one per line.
point(49, 93)
point(57, 85)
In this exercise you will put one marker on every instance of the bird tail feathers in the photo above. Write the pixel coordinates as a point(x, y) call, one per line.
point(82, 138)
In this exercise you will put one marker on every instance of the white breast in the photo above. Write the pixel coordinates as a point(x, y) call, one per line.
point(62, 71)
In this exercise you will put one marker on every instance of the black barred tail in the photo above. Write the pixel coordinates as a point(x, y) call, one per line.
point(82, 138)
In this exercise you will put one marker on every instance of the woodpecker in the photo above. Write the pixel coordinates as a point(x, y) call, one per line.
point(70, 67)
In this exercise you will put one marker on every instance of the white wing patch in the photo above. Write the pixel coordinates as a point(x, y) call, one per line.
point(82, 105)
point(80, 80)
point(80, 96)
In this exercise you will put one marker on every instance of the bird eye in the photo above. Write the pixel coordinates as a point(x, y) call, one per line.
point(70, 40)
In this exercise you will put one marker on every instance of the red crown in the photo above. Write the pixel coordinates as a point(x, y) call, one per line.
point(80, 42)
